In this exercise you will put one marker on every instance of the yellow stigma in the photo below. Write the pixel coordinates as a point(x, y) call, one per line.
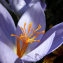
point(26, 39)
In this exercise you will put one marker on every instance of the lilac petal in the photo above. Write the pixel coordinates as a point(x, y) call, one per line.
point(4, 39)
point(6, 54)
point(7, 26)
point(58, 40)
point(43, 4)
point(19, 4)
point(18, 60)
point(15, 5)
point(36, 16)
point(27, 4)
point(40, 51)
point(27, 1)
point(8, 4)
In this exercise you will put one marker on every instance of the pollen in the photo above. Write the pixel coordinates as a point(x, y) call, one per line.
point(26, 39)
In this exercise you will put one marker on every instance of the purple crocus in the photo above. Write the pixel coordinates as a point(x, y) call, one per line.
point(36, 47)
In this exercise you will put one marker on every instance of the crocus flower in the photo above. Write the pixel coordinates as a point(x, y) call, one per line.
point(20, 6)
point(29, 38)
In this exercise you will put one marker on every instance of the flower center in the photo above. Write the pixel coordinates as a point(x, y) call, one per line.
point(26, 38)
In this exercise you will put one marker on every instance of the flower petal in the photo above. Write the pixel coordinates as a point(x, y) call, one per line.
point(7, 26)
point(20, 6)
point(23, 5)
point(58, 40)
point(18, 60)
point(15, 5)
point(7, 4)
point(40, 51)
point(36, 16)
point(6, 54)
point(43, 4)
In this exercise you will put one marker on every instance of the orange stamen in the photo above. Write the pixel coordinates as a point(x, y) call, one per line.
point(26, 39)
point(18, 48)
point(38, 28)
point(24, 49)
point(29, 27)
point(24, 25)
